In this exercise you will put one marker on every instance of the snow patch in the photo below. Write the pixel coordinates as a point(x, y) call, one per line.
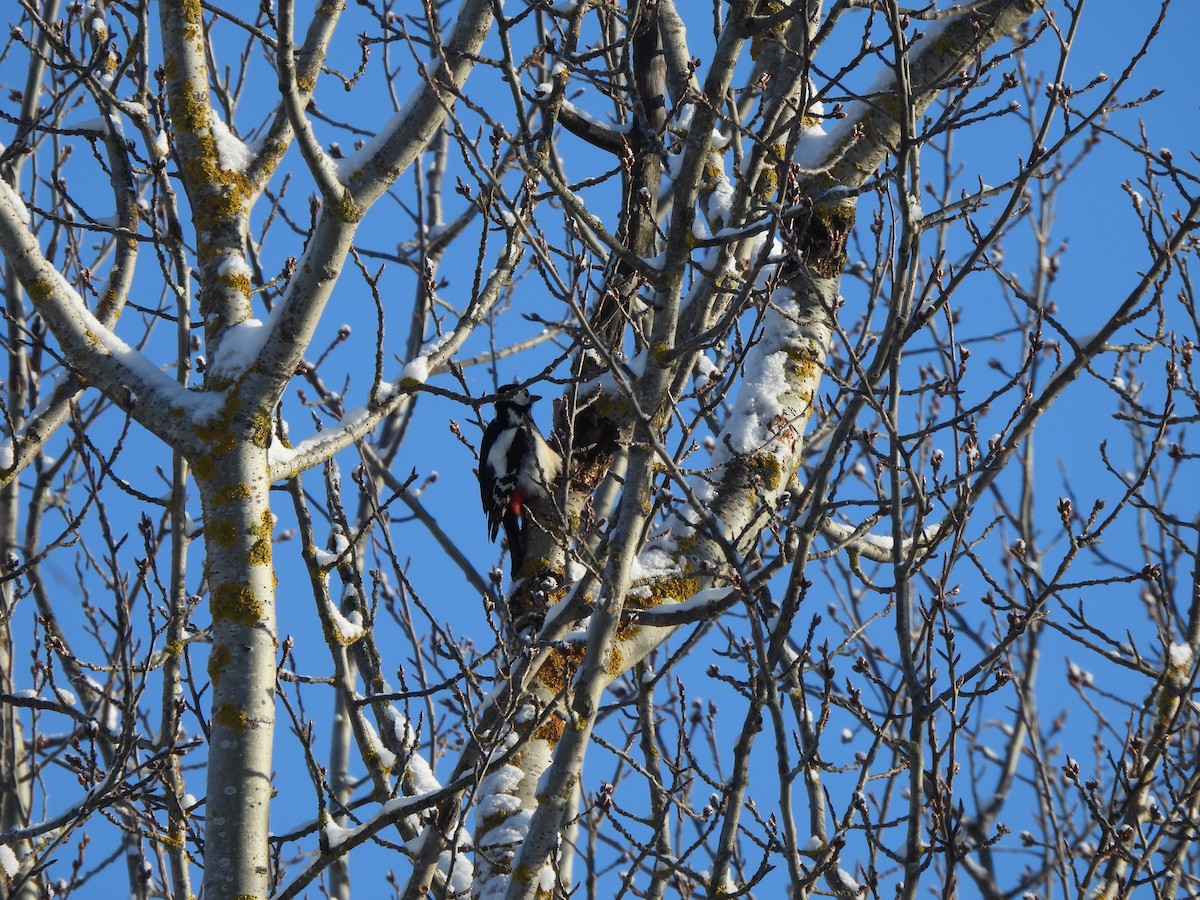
point(349, 166)
point(509, 833)
point(9, 862)
point(232, 153)
point(279, 456)
point(503, 780)
point(234, 265)
point(324, 558)
point(239, 348)
point(335, 835)
point(845, 882)
point(698, 600)
point(416, 370)
point(350, 628)
point(97, 126)
point(1181, 656)
point(497, 805)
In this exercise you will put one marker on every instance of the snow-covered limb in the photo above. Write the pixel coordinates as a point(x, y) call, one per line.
point(42, 423)
point(526, 747)
point(408, 133)
point(758, 448)
point(877, 548)
point(19, 450)
point(130, 379)
point(423, 791)
point(506, 800)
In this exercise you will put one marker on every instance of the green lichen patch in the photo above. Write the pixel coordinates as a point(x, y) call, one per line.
point(889, 104)
point(347, 209)
point(260, 552)
point(770, 34)
point(614, 662)
point(231, 716)
point(556, 673)
point(374, 763)
point(550, 731)
point(235, 603)
point(191, 10)
point(946, 44)
point(805, 363)
point(765, 470)
point(217, 661)
point(260, 429)
point(768, 184)
point(108, 304)
point(673, 589)
point(218, 432)
point(190, 113)
point(222, 532)
point(39, 292)
point(239, 282)
point(234, 492)
point(204, 466)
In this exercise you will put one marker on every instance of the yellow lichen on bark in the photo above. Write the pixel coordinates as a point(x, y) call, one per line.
point(550, 731)
point(231, 716)
point(260, 552)
point(236, 603)
point(39, 292)
point(231, 493)
point(217, 661)
point(556, 673)
point(224, 532)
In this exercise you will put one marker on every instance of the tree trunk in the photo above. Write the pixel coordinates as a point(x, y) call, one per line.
point(234, 485)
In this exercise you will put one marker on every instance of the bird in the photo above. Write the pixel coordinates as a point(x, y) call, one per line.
point(516, 465)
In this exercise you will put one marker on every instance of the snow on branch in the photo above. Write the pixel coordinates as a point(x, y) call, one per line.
point(131, 380)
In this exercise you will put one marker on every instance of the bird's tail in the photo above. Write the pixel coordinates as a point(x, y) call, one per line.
point(516, 547)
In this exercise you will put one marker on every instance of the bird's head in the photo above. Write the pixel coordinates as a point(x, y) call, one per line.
point(516, 398)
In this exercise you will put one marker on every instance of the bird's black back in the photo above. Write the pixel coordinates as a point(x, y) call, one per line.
point(512, 415)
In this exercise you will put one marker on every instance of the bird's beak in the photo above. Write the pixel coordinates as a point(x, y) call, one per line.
point(533, 398)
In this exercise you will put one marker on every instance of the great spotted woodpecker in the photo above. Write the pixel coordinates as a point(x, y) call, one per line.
point(515, 465)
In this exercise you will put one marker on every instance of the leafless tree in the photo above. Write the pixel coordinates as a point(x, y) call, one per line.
point(791, 623)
